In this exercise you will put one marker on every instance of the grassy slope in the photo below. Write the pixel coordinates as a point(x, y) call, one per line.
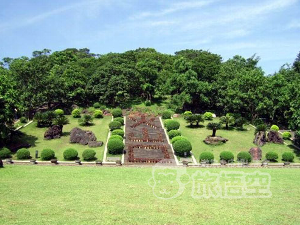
point(90, 195)
point(35, 136)
point(238, 141)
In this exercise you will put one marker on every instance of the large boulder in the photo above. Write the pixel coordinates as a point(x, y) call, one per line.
point(215, 140)
point(82, 136)
point(53, 132)
point(256, 153)
point(274, 136)
point(260, 138)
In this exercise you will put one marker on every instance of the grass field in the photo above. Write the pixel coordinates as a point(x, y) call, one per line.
point(35, 137)
point(120, 195)
point(238, 141)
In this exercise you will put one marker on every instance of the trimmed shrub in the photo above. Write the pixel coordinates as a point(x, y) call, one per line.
point(244, 157)
point(172, 124)
point(115, 146)
point(88, 154)
point(227, 156)
point(76, 113)
point(70, 154)
point(166, 114)
point(47, 154)
point(98, 114)
point(207, 156)
point(59, 112)
point(96, 105)
point(174, 133)
point(186, 114)
point(119, 119)
point(23, 119)
point(208, 116)
point(286, 135)
point(177, 138)
point(116, 137)
point(288, 157)
point(274, 127)
point(23, 153)
point(271, 156)
point(5, 153)
point(119, 132)
point(117, 113)
point(182, 146)
point(114, 125)
point(86, 120)
point(147, 103)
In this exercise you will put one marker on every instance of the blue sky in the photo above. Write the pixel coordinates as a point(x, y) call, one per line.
point(269, 28)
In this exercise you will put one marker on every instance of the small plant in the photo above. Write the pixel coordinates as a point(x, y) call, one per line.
point(258, 121)
point(119, 132)
point(61, 121)
point(288, 157)
point(261, 128)
point(117, 113)
point(240, 122)
point(182, 147)
point(5, 153)
point(23, 153)
point(59, 112)
point(147, 103)
point(227, 156)
point(166, 114)
point(172, 124)
point(194, 118)
point(88, 155)
point(96, 105)
point(214, 127)
point(76, 113)
point(115, 146)
point(47, 154)
point(87, 120)
point(208, 116)
point(187, 113)
point(286, 135)
point(98, 113)
point(174, 133)
point(274, 128)
point(114, 125)
point(23, 119)
point(244, 157)
point(119, 119)
point(116, 137)
point(227, 120)
point(70, 154)
point(272, 156)
point(177, 138)
point(207, 157)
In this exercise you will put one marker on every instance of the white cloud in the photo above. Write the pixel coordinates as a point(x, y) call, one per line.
point(294, 25)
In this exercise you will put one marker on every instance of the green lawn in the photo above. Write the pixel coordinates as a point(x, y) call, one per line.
point(35, 136)
point(120, 195)
point(238, 141)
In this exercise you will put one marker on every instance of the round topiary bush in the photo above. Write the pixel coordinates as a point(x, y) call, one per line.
point(288, 157)
point(59, 112)
point(207, 156)
point(119, 132)
point(88, 154)
point(76, 113)
point(98, 113)
point(208, 116)
point(274, 128)
point(272, 156)
point(70, 154)
point(174, 139)
point(227, 156)
point(115, 146)
point(166, 114)
point(23, 119)
point(96, 105)
point(5, 153)
point(119, 119)
point(244, 157)
point(174, 133)
point(116, 137)
point(147, 103)
point(286, 135)
point(23, 153)
point(172, 125)
point(117, 113)
point(182, 147)
point(47, 154)
point(114, 125)
point(186, 114)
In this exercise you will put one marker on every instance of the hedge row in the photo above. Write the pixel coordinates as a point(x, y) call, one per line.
point(115, 143)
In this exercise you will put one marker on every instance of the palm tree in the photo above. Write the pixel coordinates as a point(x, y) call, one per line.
point(61, 121)
point(228, 119)
point(214, 127)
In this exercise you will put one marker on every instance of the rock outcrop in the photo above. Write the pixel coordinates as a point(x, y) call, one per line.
point(53, 132)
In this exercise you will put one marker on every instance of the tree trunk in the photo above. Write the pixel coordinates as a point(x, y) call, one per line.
point(227, 126)
point(214, 133)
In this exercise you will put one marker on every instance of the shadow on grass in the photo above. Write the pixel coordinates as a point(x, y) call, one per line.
point(228, 129)
point(195, 126)
point(66, 133)
point(296, 151)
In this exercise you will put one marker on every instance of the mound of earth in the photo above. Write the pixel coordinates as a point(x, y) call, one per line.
point(215, 140)
point(82, 136)
point(53, 132)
